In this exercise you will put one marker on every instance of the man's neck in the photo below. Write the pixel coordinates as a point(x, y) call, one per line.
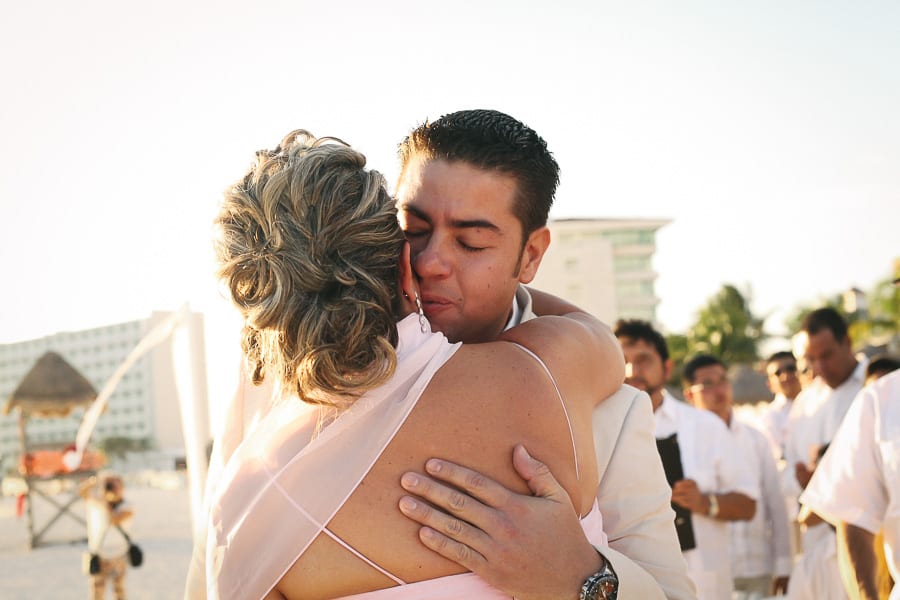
point(850, 371)
point(656, 399)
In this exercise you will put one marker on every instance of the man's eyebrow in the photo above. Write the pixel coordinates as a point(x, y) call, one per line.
point(416, 212)
point(455, 224)
point(473, 224)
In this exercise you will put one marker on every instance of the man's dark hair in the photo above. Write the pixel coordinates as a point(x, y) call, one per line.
point(781, 355)
point(825, 318)
point(881, 365)
point(492, 141)
point(698, 362)
point(636, 329)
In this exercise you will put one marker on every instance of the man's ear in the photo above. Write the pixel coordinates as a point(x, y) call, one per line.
point(668, 366)
point(689, 397)
point(532, 253)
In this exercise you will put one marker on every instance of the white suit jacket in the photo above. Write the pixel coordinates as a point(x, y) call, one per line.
point(634, 496)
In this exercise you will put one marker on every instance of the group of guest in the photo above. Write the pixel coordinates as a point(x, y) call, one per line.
point(737, 484)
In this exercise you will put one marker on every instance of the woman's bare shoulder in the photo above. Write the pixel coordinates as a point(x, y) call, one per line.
point(583, 354)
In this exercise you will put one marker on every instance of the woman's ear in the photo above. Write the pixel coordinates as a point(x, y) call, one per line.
point(407, 279)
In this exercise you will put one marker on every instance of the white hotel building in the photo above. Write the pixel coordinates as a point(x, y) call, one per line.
point(603, 266)
point(144, 405)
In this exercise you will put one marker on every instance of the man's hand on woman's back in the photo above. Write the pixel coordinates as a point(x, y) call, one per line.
point(532, 547)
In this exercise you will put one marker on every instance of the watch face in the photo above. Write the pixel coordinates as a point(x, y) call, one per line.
point(608, 588)
point(605, 588)
point(602, 585)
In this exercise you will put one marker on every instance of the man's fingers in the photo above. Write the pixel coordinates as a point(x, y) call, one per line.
point(538, 476)
point(464, 536)
point(448, 500)
point(452, 550)
point(478, 486)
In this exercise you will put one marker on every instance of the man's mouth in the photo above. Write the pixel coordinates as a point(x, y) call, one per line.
point(433, 304)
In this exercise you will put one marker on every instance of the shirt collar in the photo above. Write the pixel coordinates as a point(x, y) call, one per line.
point(521, 306)
point(668, 406)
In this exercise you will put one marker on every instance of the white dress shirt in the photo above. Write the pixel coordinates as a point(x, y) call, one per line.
point(858, 480)
point(709, 457)
point(816, 576)
point(761, 546)
point(774, 422)
point(814, 419)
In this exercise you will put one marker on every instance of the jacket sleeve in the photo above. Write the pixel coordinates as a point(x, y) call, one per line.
point(635, 501)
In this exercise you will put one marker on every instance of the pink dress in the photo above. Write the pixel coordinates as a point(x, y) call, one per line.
point(292, 473)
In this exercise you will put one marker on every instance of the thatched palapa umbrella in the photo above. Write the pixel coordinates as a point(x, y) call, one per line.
point(52, 388)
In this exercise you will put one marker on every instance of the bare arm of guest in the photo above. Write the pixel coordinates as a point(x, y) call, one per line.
point(732, 506)
point(856, 554)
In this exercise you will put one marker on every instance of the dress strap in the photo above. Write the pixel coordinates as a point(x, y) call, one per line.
point(324, 529)
point(362, 557)
point(563, 404)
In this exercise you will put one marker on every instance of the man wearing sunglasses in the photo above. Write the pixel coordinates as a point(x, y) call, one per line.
point(782, 379)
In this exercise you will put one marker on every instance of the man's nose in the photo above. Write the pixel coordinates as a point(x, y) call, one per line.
point(431, 260)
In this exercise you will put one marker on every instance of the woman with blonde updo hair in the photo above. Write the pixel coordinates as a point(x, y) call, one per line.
point(306, 506)
point(309, 248)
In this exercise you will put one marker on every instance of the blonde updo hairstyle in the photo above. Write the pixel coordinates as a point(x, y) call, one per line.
point(309, 246)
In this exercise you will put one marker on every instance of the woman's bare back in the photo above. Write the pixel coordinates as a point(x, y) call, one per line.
point(472, 412)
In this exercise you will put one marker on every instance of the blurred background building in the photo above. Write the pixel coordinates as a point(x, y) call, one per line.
point(143, 413)
point(603, 266)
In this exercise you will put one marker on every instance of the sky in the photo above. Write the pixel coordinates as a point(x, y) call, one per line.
point(767, 131)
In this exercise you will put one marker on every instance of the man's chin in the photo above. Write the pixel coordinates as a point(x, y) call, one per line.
point(452, 333)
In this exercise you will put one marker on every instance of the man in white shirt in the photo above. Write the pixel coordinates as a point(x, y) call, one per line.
point(857, 486)
point(781, 377)
point(715, 488)
point(760, 548)
point(824, 346)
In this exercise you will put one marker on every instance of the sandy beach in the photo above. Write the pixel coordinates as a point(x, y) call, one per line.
point(161, 527)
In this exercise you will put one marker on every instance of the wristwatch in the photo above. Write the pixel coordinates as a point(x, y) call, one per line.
point(602, 585)
point(713, 506)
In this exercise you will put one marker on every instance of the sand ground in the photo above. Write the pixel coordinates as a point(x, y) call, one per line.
point(161, 526)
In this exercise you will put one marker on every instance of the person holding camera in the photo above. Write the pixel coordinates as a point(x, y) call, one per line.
point(108, 544)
